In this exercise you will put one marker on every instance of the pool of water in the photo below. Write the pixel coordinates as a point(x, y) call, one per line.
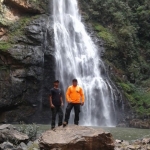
point(117, 132)
point(128, 133)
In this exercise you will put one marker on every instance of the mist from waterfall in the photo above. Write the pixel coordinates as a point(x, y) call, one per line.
point(78, 57)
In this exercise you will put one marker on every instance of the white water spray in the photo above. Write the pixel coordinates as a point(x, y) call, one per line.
point(78, 57)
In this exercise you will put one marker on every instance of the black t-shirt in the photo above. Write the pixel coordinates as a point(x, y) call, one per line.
point(56, 94)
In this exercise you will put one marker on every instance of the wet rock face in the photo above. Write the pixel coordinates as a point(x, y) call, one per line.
point(26, 64)
point(76, 138)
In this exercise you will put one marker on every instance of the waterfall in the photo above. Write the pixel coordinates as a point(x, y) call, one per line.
point(78, 57)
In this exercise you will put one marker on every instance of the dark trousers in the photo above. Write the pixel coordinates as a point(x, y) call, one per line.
point(76, 110)
point(55, 111)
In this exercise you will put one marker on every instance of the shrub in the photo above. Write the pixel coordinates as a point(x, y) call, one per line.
point(30, 130)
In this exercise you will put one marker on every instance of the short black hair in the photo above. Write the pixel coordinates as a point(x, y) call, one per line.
point(56, 81)
point(74, 80)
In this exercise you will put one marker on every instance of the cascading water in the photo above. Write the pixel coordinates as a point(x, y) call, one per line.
point(78, 57)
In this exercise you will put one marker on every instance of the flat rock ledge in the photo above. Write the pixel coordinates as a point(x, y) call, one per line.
point(75, 137)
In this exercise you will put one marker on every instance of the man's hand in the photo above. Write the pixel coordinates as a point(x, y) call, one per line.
point(62, 104)
point(82, 103)
point(52, 106)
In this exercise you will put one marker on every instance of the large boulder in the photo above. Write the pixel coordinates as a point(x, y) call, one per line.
point(8, 132)
point(75, 137)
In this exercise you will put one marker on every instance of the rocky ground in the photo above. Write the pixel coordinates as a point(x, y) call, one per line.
point(143, 144)
point(68, 138)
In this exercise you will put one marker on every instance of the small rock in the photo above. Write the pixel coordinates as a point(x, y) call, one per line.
point(8, 132)
point(35, 149)
point(19, 148)
point(36, 142)
point(146, 141)
point(118, 141)
point(6, 145)
point(6, 126)
point(29, 143)
point(131, 147)
point(23, 145)
point(125, 143)
point(148, 148)
point(138, 146)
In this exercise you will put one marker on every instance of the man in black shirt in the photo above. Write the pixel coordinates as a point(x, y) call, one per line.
point(55, 103)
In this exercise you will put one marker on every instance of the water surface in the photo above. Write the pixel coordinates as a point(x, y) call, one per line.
point(117, 132)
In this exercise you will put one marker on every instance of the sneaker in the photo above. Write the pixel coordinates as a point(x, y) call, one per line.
point(64, 124)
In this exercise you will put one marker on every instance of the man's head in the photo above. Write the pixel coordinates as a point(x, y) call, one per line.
point(74, 82)
point(56, 83)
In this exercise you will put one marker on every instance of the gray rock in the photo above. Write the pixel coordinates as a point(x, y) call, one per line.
point(6, 145)
point(23, 145)
point(76, 138)
point(9, 133)
point(132, 147)
point(148, 147)
point(146, 141)
point(29, 143)
point(18, 148)
point(7, 126)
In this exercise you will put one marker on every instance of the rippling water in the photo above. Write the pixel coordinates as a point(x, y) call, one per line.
point(118, 133)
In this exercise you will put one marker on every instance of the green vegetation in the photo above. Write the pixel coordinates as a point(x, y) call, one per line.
point(138, 98)
point(17, 28)
point(4, 46)
point(106, 35)
point(125, 27)
point(33, 146)
point(30, 130)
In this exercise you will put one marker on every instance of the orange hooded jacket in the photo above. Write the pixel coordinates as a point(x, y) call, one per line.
point(75, 94)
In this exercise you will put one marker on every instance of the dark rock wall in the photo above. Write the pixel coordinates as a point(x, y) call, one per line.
point(26, 64)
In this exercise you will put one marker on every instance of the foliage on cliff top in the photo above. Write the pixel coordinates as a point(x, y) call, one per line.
point(125, 27)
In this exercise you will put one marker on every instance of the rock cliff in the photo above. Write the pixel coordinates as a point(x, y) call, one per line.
point(26, 59)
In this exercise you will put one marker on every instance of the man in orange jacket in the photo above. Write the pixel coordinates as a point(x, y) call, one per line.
point(75, 98)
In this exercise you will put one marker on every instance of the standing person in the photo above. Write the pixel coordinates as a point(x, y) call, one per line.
point(75, 98)
point(55, 103)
